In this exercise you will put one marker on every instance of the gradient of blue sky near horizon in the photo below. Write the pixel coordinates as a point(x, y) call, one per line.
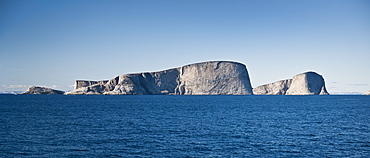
point(52, 42)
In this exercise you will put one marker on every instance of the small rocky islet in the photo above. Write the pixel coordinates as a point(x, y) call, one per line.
point(367, 93)
point(205, 78)
point(42, 90)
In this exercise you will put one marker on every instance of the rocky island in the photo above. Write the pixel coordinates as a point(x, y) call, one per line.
point(308, 83)
point(42, 90)
point(205, 78)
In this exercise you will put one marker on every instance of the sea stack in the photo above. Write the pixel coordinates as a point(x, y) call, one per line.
point(206, 78)
point(308, 83)
point(42, 90)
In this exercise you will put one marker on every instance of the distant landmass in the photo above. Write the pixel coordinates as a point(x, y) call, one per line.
point(205, 78)
point(42, 90)
point(346, 93)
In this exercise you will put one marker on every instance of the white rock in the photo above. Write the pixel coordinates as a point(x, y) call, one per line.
point(308, 83)
point(214, 78)
point(276, 88)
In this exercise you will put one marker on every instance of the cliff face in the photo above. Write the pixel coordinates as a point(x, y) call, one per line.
point(207, 78)
point(308, 83)
point(213, 78)
point(42, 90)
point(163, 82)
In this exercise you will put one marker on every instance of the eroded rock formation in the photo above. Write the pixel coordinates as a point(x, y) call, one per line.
point(84, 83)
point(308, 83)
point(276, 88)
point(42, 90)
point(206, 78)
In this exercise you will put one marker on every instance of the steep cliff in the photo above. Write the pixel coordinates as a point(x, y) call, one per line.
point(308, 83)
point(212, 78)
point(153, 83)
point(41, 90)
point(207, 78)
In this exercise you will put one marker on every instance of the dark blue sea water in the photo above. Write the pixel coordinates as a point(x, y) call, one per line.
point(184, 126)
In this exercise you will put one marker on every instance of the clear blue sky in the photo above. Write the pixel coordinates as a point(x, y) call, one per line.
point(54, 42)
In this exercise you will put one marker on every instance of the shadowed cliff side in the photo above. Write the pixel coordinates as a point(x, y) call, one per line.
point(83, 83)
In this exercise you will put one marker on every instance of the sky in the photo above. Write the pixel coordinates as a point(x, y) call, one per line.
point(54, 42)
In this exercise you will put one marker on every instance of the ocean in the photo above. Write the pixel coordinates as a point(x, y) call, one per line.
point(184, 126)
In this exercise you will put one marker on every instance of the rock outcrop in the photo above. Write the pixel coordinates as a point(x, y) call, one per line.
point(308, 83)
point(42, 90)
point(367, 93)
point(206, 78)
point(276, 88)
point(83, 83)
